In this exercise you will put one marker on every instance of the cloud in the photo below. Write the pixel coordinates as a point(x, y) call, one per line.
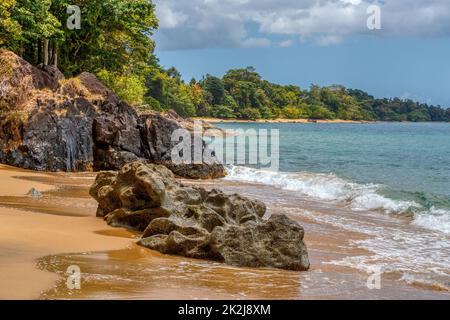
point(257, 23)
point(256, 42)
point(168, 18)
point(286, 43)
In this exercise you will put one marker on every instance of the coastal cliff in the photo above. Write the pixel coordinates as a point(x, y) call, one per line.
point(49, 123)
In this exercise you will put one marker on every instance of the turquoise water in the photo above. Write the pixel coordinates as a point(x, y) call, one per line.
point(395, 167)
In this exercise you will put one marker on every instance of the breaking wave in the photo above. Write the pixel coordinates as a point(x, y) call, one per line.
point(358, 197)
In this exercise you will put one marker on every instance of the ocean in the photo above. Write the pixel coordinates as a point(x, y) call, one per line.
point(388, 181)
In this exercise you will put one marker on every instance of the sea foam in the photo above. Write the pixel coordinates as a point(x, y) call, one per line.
point(434, 219)
point(356, 196)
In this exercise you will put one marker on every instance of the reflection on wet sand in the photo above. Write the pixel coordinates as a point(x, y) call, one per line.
point(62, 200)
point(138, 273)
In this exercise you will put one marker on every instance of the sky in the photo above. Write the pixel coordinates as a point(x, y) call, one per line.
point(388, 48)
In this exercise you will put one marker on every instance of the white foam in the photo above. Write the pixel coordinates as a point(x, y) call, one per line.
point(374, 201)
point(324, 187)
point(422, 257)
point(435, 219)
point(329, 187)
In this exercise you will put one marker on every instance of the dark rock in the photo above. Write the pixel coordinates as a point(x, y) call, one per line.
point(157, 133)
point(196, 223)
point(49, 123)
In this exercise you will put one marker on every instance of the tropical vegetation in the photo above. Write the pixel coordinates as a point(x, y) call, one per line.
point(114, 42)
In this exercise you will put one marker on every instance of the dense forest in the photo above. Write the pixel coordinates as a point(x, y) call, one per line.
point(114, 42)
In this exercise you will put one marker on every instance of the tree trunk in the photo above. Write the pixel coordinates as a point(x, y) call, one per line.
point(46, 48)
point(39, 51)
point(55, 56)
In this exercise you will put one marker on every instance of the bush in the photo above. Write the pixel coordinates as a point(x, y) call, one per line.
point(291, 112)
point(321, 112)
point(250, 114)
point(223, 112)
point(129, 88)
point(152, 103)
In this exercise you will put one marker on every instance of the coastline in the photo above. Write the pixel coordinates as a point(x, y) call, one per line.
point(218, 120)
point(41, 238)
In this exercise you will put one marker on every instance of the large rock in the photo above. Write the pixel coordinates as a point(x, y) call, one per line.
point(18, 80)
point(49, 123)
point(196, 223)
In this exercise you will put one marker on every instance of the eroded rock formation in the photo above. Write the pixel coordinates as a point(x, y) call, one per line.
point(49, 123)
point(196, 223)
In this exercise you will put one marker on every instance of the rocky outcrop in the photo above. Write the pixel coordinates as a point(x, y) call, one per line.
point(49, 123)
point(18, 80)
point(196, 223)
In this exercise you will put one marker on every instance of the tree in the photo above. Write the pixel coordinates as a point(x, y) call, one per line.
point(33, 23)
point(215, 87)
point(10, 29)
point(115, 36)
point(291, 112)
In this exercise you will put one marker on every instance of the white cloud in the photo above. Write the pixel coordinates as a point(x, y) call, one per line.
point(250, 23)
point(168, 18)
point(286, 43)
point(256, 42)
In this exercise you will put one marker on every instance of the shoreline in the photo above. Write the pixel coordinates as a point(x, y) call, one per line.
point(218, 120)
point(305, 121)
point(40, 238)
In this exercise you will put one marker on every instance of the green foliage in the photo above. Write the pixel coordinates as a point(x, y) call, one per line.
point(128, 87)
point(114, 36)
point(250, 114)
point(292, 112)
point(321, 112)
point(115, 43)
point(152, 104)
point(24, 22)
point(248, 96)
point(167, 87)
point(10, 29)
point(223, 112)
point(215, 87)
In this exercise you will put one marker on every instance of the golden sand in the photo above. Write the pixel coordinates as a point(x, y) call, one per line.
point(26, 235)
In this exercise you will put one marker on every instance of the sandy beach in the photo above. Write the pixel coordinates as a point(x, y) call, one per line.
point(217, 120)
point(40, 238)
point(30, 229)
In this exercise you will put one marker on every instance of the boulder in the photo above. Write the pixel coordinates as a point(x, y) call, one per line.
point(49, 123)
point(193, 222)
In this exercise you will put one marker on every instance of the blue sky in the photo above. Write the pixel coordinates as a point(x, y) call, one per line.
point(314, 41)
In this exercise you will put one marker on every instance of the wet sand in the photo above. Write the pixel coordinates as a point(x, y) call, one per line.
point(30, 229)
point(41, 238)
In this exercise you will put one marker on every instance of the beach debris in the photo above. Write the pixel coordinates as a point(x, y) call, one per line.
point(196, 223)
point(34, 193)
